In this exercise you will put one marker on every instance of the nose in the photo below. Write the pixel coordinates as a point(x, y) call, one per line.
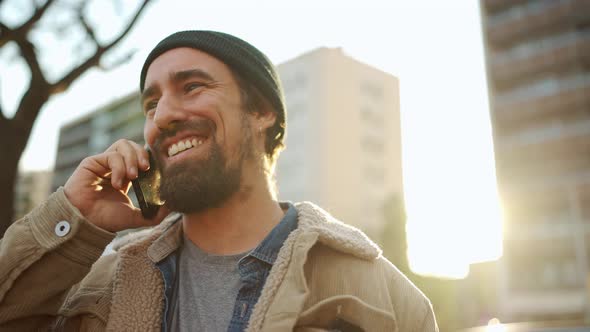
point(168, 112)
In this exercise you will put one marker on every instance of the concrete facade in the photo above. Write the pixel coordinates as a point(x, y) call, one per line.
point(539, 81)
point(343, 136)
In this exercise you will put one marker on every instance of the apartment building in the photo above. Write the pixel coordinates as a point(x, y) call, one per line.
point(538, 62)
point(343, 143)
point(95, 132)
point(32, 188)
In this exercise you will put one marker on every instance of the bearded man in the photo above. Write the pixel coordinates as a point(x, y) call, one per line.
point(223, 253)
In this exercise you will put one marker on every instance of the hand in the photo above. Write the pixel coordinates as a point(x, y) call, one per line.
point(99, 186)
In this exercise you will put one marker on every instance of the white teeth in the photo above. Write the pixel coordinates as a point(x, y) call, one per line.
point(172, 150)
point(183, 145)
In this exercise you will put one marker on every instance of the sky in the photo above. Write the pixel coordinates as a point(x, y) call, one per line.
point(434, 47)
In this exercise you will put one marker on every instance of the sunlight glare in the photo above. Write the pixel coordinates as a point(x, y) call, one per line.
point(450, 189)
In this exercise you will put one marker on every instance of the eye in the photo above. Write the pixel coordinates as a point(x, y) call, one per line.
point(150, 107)
point(192, 86)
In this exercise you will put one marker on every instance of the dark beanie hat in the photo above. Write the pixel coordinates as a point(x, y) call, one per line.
point(244, 59)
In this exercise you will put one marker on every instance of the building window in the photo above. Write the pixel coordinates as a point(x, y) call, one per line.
point(372, 90)
point(295, 82)
point(374, 174)
point(372, 144)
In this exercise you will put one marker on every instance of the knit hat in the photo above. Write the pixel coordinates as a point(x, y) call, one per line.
point(244, 59)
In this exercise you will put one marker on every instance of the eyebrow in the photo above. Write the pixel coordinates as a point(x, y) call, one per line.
point(182, 75)
point(150, 91)
point(177, 77)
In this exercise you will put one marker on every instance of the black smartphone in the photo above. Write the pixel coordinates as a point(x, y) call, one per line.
point(147, 189)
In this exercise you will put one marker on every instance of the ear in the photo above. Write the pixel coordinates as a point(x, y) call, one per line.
point(265, 120)
point(265, 117)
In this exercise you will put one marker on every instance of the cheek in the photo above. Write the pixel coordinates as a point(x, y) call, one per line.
point(149, 132)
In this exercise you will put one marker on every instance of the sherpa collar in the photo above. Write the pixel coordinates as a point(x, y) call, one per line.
point(140, 250)
point(311, 218)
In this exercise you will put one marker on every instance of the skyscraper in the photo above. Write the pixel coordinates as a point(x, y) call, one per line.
point(538, 61)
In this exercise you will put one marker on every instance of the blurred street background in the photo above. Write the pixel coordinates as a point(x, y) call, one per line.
point(455, 134)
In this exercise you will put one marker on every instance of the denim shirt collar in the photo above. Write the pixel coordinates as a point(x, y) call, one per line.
point(268, 249)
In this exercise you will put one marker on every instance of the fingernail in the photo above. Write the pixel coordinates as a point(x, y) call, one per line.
point(133, 172)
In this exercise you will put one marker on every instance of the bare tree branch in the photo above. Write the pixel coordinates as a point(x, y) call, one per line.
point(4, 32)
point(130, 25)
point(118, 62)
point(94, 60)
point(27, 50)
point(89, 30)
point(37, 92)
point(17, 129)
point(8, 35)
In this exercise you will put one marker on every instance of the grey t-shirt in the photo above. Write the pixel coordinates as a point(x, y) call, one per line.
point(206, 290)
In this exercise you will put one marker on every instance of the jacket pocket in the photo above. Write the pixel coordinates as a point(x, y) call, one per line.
point(345, 313)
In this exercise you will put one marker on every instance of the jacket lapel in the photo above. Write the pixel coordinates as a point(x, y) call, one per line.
point(138, 290)
point(285, 290)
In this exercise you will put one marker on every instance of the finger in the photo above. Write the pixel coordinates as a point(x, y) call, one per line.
point(116, 164)
point(129, 153)
point(142, 156)
point(96, 165)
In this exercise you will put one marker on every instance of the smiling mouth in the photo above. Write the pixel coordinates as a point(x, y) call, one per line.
point(184, 145)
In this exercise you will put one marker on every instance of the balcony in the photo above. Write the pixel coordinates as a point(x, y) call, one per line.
point(507, 70)
point(563, 147)
point(543, 107)
point(520, 174)
point(545, 133)
point(527, 20)
point(493, 6)
point(71, 156)
point(126, 113)
point(556, 154)
point(74, 135)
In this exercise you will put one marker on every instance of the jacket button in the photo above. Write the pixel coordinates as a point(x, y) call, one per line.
point(62, 228)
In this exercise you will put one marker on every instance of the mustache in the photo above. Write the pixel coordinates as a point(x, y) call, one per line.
point(203, 127)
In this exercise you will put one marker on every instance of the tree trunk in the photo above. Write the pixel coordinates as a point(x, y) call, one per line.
point(8, 174)
point(14, 134)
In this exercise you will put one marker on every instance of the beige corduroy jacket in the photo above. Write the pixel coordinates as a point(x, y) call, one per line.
point(326, 271)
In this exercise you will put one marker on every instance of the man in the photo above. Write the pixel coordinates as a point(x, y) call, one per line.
point(231, 257)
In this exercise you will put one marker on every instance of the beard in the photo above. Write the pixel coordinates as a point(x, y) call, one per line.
point(197, 185)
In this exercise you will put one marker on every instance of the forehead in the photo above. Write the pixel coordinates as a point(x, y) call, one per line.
point(184, 58)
